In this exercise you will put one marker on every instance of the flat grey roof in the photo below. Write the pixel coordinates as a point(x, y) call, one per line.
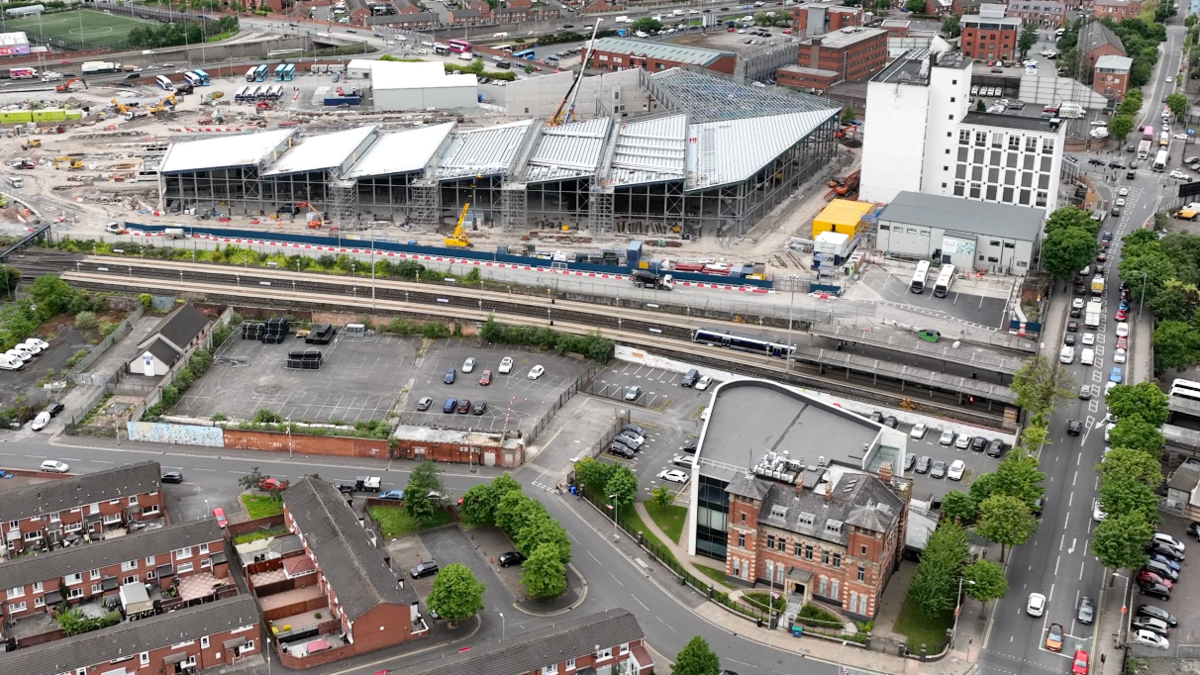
point(977, 20)
point(845, 37)
point(1008, 121)
point(908, 67)
point(965, 215)
point(752, 417)
point(666, 51)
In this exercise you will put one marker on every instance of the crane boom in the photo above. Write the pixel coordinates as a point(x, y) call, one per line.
point(569, 98)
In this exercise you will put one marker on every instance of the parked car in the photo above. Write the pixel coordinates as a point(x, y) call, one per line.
point(511, 558)
point(1079, 664)
point(995, 447)
point(962, 442)
point(424, 403)
point(479, 408)
point(979, 444)
point(1145, 576)
point(486, 378)
point(1162, 549)
point(947, 437)
point(506, 365)
point(1158, 613)
point(1151, 624)
point(1155, 590)
point(939, 469)
point(620, 450)
point(469, 364)
point(448, 378)
point(536, 372)
point(910, 462)
point(219, 514)
point(1087, 611)
point(891, 422)
point(674, 476)
point(1166, 561)
point(923, 464)
point(40, 422)
point(633, 393)
point(1150, 639)
point(918, 431)
point(630, 426)
point(464, 406)
point(55, 466)
point(1167, 539)
point(1162, 570)
point(704, 383)
point(957, 467)
point(392, 494)
point(172, 477)
point(1054, 637)
point(425, 569)
point(450, 405)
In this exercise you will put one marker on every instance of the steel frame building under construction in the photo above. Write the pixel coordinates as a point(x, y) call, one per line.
point(714, 159)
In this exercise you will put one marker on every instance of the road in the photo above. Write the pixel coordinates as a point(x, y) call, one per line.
point(1057, 562)
point(614, 580)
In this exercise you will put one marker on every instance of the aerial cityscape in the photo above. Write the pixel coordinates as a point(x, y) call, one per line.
point(599, 337)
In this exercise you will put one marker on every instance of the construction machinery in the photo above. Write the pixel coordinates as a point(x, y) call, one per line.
point(564, 117)
point(315, 218)
point(458, 238)
point(67, 86)
point(33, 143)
point(848, 186)
point(162, 105)
point(72, 164)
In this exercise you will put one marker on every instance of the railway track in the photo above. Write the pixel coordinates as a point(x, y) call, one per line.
point(275, 288)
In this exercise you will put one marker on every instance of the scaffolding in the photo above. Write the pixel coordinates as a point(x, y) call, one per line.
point(425, 211)
point(513, 207)
point(343, 202)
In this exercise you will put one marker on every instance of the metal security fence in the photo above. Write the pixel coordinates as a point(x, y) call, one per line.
point(580, 383)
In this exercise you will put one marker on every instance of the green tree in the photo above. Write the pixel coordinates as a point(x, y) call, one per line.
point(1120, 126)
point(424, 479)
point(1145, 271)
point(51, 295)
point(621, 487)
point(935, 582)
point(542, 574)
point(882, 6)
point(980, 106)
point(1027, 39)
point(1005, 520)
point(915, 6)
point(1118, 495)
point(1137, 434)
point(661, 496)
point(86, 320)
point(951, 27)
point(456, 594)
point(514, 511)
point(1176, 345)
point(1175, 301)
point(592, 474)
point(1042, 385)
point(504, 483)
point(1033, 436)
point(1127, 464)
point(251, 480)
point(1065, 251)
point(543, 530)
point(12, 280)
point(959, 507)
point(1018, 476)
point(696, 659)
point(989, 582)
point(479, 506)
point(1119, 538)
point(1145, 400)
point(1178, 104)
point(1069, 216)
point(983, 487)
point(847, 115)
point(646, 25)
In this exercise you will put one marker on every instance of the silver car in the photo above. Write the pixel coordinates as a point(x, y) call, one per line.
point(947, 437)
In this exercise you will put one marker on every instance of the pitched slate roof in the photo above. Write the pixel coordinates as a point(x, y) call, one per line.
point(179, 328)
point(56, 495)
point(530, 651)
point(1096, 34)
point(162, 350)
point(127, 640)
point(858, 499)
point(78, 559)
point(352, 566)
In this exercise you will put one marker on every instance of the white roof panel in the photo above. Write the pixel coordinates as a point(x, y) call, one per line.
point(225, 151)
point(731, 151)
point(402, 151)
point(651, 152)
point(317, 153)
point(568, 151)
point(416, 75)
point(482, 151)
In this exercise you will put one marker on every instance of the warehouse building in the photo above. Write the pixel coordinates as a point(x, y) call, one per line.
point(621, 53)
point(415, 85)
point(996, 238)
point(715, 158)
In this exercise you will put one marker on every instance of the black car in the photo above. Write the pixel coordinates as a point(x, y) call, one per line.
point(1157, 613)
point(979, 444)
point(629, 426)
point(910, 461)
point(1080, 289)
point(479, 408)
point(891, 421)
point(1163, 550)
point(425, 569)
point(1193, 530)
point(1116, 211)
point(449, 377)
point(511, 558)
point(1155, 591)
point(690, 447)
point(923, 464)
point(1116, 165)
point(1069, 339)
point(1074, 427)
point(1161, 570)
point(995, 447)
point(54, 409)
point(877, 417)
point(620, 450)
point(939, 469)
point(172, 477)
point(1107, 236)
point(345, 488)
point(1096, 162)
point(1072, 326)
point(1076, 312)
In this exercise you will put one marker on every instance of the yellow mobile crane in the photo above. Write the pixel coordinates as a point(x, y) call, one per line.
point(560, 115)
point(459, 237)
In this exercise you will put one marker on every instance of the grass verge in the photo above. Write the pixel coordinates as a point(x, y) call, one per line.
point(712, 573)
point(920, 630)
point(669, 518)
point(394, 522)
point(261, 506)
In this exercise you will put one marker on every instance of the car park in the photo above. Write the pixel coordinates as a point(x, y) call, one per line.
point(54, 466)
point(536, 372)
point(1158, 613)
point(1054, 637)
point(506, 365)
point(956, 470)
point(947, 437)
point(939, 469)
point(673, 476)
point(424, 569)
point(995, 447)
point(918, 431)
point(1087, 611)
point(511, 558)
point(923, 463)
point(1150, 639)
point(448, 378)
point(424, 403)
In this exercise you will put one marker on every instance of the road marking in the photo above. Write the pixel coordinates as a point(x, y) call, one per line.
point(644, 605)
point(1071, 550)
point(198, 469)
point(100, 461)
point(1082, 563)
point(616, 579)
point(1076, 476)
point(1056, 562)
point(1062, 542)
point(665, 623)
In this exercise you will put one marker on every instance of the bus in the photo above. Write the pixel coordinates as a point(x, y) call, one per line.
point(250, 73)
point(204, 79)
point(441, 49)
point(275, 92)
point(1186, 389)
point(941, 287)
point(192, 79)
point(164, 82)
point(459, 46)
point(279, 72)
point(241, 94)
point(260, 73)
point(526, 54)
point(289, 73)
point(920, 278)
point(1160, 161)
point(502, 48)
point(252, 93)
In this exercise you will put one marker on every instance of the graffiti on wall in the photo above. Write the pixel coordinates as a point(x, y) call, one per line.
point(179, 434)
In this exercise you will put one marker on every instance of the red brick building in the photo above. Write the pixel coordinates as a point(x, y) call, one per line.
point(1111, 76)
point(610, 641)
point(1096, 41)
point(45, 514)
point(367, 602)
point(847, 55)
point(37, 583)
point(623, 53)
point(1042, 13)
point(219, 633)
point(1117, 10)
point(808, 20)
point(838, 542)
point(989, 35)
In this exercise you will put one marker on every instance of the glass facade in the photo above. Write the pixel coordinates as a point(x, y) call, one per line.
point(712, 518)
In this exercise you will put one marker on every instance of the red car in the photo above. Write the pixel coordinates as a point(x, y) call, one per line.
point(1122, 343)
point(272, 484)
point(1102, 257)
point(486, 378)
point(729, 30)
point(219, 514)
point(1148, 577)
point(1120, 315)
point(1079, 665)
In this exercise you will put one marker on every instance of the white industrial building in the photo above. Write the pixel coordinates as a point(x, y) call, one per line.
point(418, 85)
point(997, 238)
point(923, 138)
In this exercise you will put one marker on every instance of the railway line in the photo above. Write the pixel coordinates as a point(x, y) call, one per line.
point(642, 329)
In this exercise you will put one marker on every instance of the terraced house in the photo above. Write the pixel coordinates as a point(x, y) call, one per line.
point(45, 515)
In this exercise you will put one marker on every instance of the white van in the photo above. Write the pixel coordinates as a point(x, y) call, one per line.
point(1087, 357)
point(1067, 355)
point(32, 346)
point(24, 350)
point(20, 356)
point(9, 363)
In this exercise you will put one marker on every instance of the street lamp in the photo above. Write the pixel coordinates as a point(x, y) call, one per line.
point(1124, 607)
point(1142, 302)
point(616, 513)
point(792, 279)
point(502, 626)
point(958, 606)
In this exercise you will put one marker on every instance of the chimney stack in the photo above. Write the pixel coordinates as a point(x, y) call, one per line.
point(885, 472)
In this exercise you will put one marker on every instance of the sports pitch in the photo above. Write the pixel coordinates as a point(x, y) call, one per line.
point(98, 29)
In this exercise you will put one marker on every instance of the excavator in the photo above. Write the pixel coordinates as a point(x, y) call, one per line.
point(33, 143)
point(73, 164)
point(160, 106)
point(459, 238)
point(128, 112)
point(66, 86)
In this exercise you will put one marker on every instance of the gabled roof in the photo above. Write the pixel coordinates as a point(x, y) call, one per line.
point(858, 499)
point(162, 350)
point(746, 485)
point(79, 559)
point(351, 564)
point(650, 151)
point(1096, 34)
point(1112, 62)
point(732, 151)
point(568, 151)
point(572, 638)
point(129, 639)
point(324, 151)
point(178, 328)
point(485, 151)
point(56, 495)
